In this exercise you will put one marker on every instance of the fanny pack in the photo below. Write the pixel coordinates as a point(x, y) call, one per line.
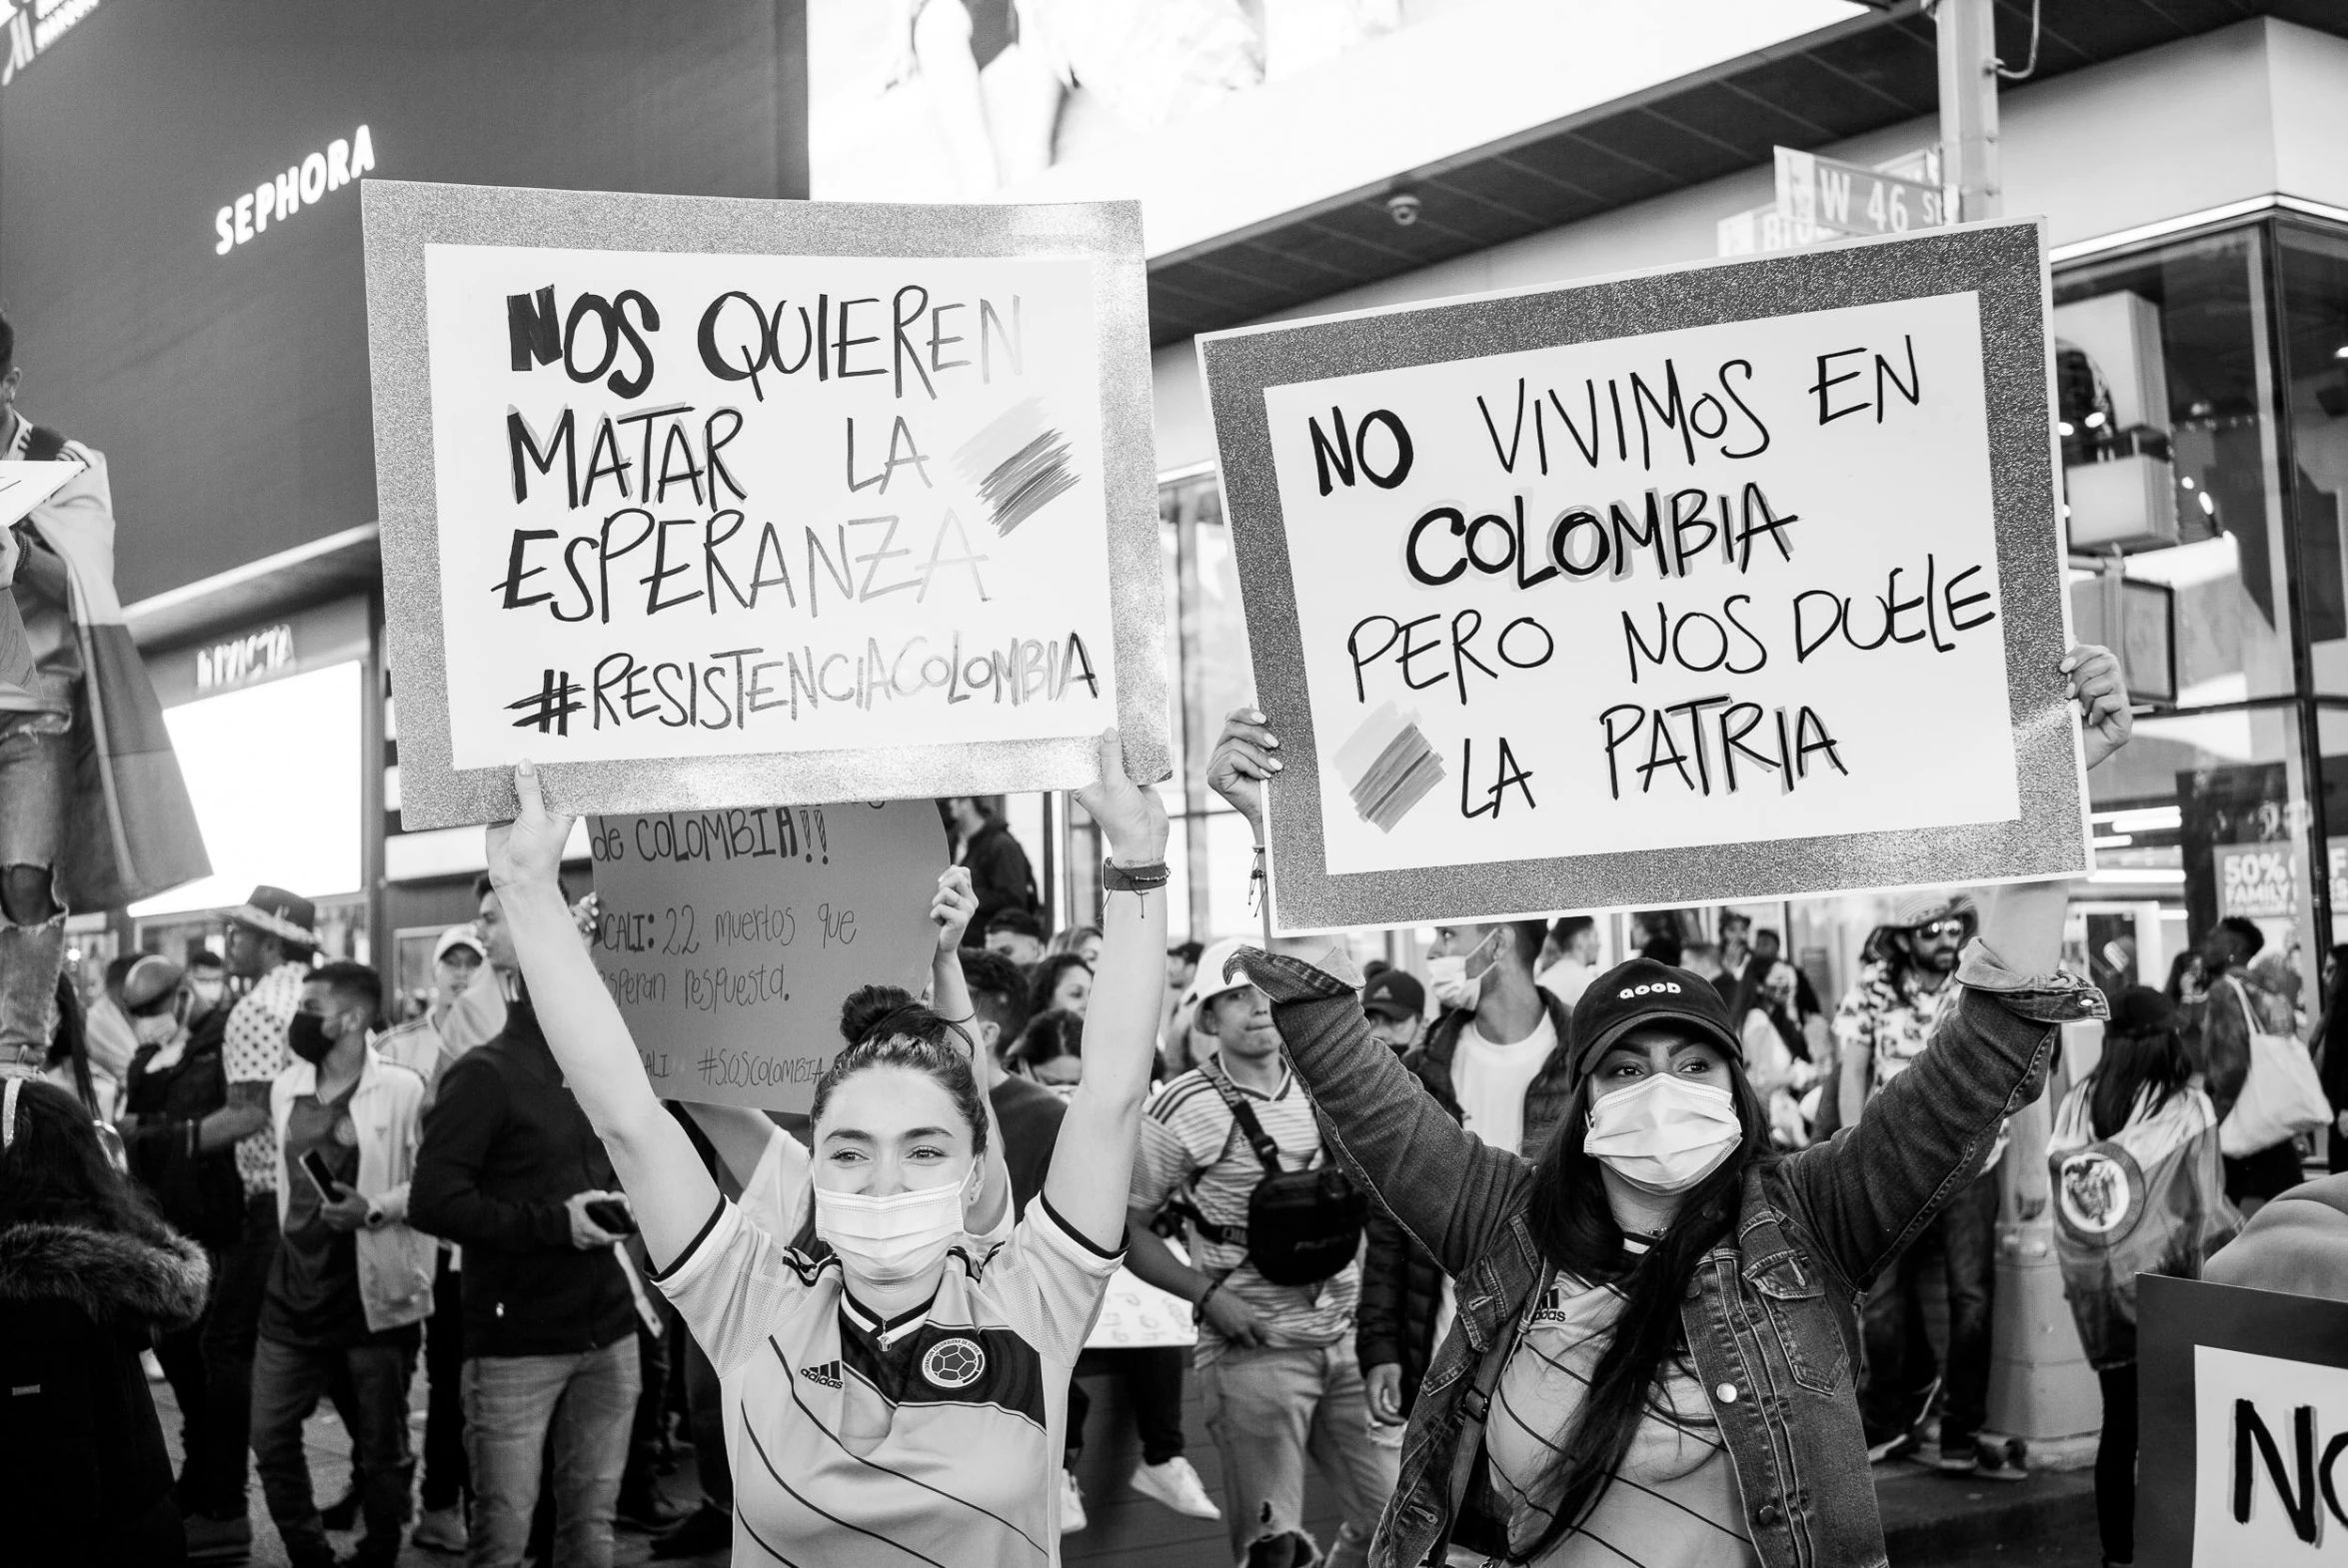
point(1302, 1225)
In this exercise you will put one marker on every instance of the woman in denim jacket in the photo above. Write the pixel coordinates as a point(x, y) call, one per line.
point(1657, 1331)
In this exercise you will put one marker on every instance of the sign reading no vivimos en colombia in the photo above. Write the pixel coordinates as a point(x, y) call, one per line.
point(729, 937)
point(1736, 580)
point(701, 502)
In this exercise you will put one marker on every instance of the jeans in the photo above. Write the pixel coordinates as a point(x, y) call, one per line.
point(1154, 1383)
point(445, 1480)
point(36, 780)
point(1268, 1408)
point(231, 1328)
point(641, 1478)
point(288, 1381)
point(2116, 1465)
point(575, 1410)
point(1962, 1241)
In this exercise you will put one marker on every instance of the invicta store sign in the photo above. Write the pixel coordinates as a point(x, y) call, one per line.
point(32, 27)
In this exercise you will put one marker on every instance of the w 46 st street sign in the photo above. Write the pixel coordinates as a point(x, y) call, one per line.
point(1848, 197)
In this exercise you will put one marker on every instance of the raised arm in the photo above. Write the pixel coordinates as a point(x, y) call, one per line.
point(1869, 1192)
point(1093, 1159)
point(950, 999)
point(1446, 1187)
point(668, 1188)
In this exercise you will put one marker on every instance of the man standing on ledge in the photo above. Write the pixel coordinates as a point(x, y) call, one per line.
point(93, 812)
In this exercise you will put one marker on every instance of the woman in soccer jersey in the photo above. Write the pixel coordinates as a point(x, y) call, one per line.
point(1654, 1350)
point(902, 1401)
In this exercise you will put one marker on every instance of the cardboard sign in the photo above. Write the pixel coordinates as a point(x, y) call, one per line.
point(729, 938)
point(2244, 1408)
point(792, 501)
point(1616, 594)
point(1134, 1314)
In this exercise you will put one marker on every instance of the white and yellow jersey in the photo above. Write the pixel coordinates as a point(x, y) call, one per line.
point(933, 1437)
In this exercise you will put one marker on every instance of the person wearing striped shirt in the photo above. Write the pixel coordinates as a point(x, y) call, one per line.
point(902, 1401)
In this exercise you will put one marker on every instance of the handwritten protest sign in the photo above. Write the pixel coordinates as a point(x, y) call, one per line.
point(790, 501)
point(2244, 1400)
point(1605, 595)
point(729, 937)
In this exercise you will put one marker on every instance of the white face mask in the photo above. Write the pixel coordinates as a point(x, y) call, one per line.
point(1666, 1134)
point(889, 1240)
point(1450, 982)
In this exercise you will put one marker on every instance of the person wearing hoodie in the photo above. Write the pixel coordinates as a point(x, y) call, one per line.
point(88, 1276)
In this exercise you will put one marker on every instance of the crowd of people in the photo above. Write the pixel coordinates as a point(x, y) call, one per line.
point(1444, 1235)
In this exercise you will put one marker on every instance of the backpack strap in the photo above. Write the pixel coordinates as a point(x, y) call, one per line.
point(1267, 1153)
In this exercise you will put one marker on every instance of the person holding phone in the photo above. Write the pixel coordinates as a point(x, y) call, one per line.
point(903, 1399)
point(350, 1282)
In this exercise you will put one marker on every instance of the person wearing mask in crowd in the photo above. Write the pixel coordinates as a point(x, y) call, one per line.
point(1766, 1014)
point(946, 1367)
point(1769, 950)
point(1737, 950)
point(1062, 981)
point(1500, 1060)
point(1881, 1028)
point(1395, 1004)
point(2228, 1017)
point(208, 984)
point(351, 1280)
point(512, 1173)
point(1018, 935)
point(1083, 940)
point(2332, 1057)
point(1608, 1341)
point(768, 1172)
point(2185, 983)
point(112, 1042)
point(2137, 1190)
point(89, 1274)
point(420, 1046)
point(1274, 1356)
point(272, 941)
point(176, 1135)
point(1576, 938)
point(1000, 874)
point(1049, 1052)
point(1661, 940)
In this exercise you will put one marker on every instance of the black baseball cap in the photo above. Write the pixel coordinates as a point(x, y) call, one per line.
point(1391, 993)
point(1644, 992)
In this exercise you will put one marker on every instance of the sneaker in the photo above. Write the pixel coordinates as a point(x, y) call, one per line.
point(213, 1540)
point(1176, 1485)
point(707, 1531)
point(1963, 1458)
point(440, 1530)
point(1892, 1449)
point(2006, 1461)
point(1072, 1504)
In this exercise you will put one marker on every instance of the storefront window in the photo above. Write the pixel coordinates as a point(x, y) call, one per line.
point(2164, 384)
point(2315, 352)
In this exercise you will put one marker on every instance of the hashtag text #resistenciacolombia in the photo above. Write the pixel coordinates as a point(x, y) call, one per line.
point(736, 683)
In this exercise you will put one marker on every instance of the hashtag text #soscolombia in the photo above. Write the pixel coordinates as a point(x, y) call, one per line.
point(743, 1070)
point(729, 686)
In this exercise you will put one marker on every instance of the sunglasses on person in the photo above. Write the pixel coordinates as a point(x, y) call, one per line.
point(1934, 930)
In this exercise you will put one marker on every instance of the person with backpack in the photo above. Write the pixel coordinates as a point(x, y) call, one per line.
point(1273, 1228)
point(2138, 1189)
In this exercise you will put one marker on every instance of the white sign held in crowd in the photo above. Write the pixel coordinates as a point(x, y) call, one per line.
point(1600, 595)
point(729, 937)
point(792, 500)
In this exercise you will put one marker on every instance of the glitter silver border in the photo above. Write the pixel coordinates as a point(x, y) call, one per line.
point(2005, 263)
point(401, 217)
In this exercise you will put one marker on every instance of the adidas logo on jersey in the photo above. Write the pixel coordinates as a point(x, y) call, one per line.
point(827, 1374)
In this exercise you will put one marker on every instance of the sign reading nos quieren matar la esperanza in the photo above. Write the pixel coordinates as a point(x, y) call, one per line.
point(717, 503)
point(729, 937)
point(1736, 580)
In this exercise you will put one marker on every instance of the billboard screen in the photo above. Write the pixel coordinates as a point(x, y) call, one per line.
point(186, 280)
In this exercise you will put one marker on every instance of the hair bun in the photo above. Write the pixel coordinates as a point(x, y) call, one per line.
point(867, 1006)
